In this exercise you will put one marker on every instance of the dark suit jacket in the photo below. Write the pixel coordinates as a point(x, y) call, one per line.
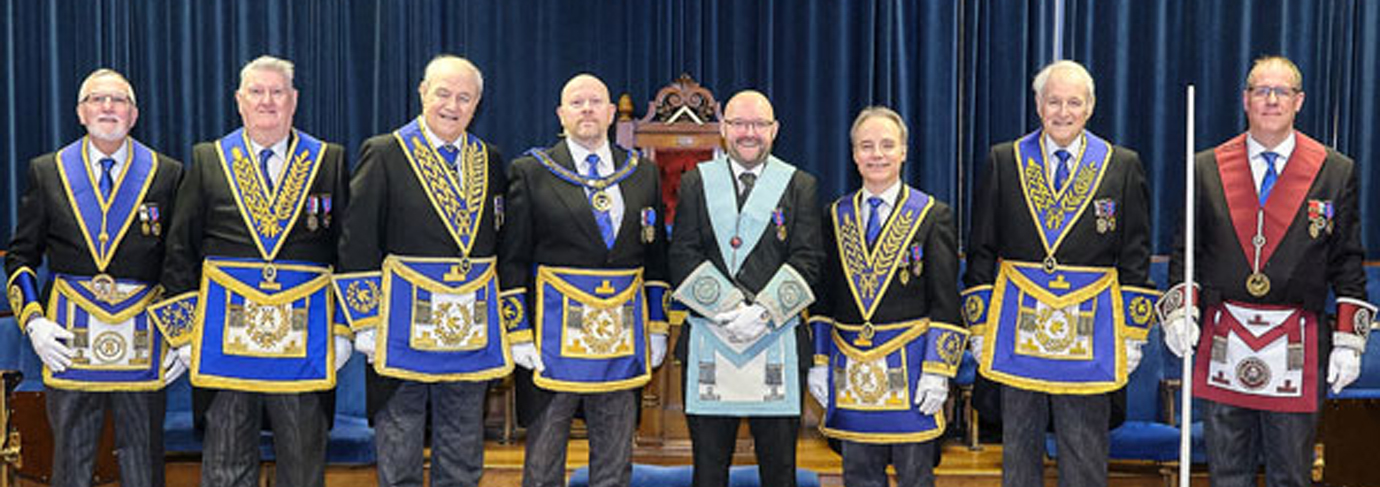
point(208, 223)
point(550, 222)
point(1003, 229)
point(390, 213)
point(47, 226)
point(934, 294)
point(803, 248)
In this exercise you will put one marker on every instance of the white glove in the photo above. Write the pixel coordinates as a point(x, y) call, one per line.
point(1133, 355)
point(525, 355)
point(45, 336)
point(1180, 332)
point(975, 344)
point(184, 355)
point(364, 343)
point(658, 349)
point(930, 393)
point(819, 384)
point(746, 323)
point(1343, 368)
point(342, 351)
point(172, 367)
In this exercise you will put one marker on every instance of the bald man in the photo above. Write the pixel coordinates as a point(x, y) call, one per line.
point(98, 348)
point(747, 252)
point(583, 264)
point(442, 339)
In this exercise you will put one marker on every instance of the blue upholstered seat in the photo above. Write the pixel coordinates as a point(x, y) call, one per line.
point(679, 476)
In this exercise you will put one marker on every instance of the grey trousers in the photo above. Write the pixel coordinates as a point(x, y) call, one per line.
point(1080, 427)
point(230, 449)
point(1238, 438)
point(864, 464)
point(457, 434)
point(610, 417)
point(76, 418)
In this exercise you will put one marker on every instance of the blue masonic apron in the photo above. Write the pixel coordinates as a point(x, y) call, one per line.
point(875, 366)
point(265, 322)
point(114, 346)
point(438, 316)
point(723, 377)
point(1051, 327)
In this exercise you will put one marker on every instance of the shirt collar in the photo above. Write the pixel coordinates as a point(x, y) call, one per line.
point(1285, 149)
point(1073, 149)
point(579, 153)
point(887, 195)
point(739, 168)
point(279, 147)
point(94, 155)
point(458, 143)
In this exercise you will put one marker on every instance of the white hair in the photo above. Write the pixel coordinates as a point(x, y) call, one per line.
point(1068, 67)
point(267, 63)
point(439, 61)
point(105, 73)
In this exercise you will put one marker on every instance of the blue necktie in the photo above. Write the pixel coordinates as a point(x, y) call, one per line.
point(1268, 182)
point(449, 153)
point(107, 179)
point(600, 217)
point(264, 156)
point(874, 220)
point(1061, 173)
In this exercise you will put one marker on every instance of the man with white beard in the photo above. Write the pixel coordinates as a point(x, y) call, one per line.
point(95, 209)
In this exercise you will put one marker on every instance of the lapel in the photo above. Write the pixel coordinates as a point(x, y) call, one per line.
point(631, 225)
point(1285, 201)
point(573, 196)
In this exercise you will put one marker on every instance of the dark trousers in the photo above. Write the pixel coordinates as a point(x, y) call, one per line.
point(864, 464)
point(230, 449)
point(457, 434)
point(1080, 429)
point(712, 439)
point(610, 418)
point(1238, 438)
point(77, 417)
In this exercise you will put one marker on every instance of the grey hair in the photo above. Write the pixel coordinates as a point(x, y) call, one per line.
point(1077, 70)
point(880, 112)
point(105, 73)
point(441, 59)
point(267, 63)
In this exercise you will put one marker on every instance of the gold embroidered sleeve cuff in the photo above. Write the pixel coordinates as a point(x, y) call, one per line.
point(975, 301)
point(24, 298)
point(342, 330)
point(358, 294)
point(944, 344)
point(175, 317)
point(1140, 311)
point(708, 292)
point(658, 301)
point(513, 312)
point(658, 327)
point(1172, 301)
point(785, 295)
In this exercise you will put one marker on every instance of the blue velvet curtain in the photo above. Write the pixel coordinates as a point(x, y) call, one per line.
point(958, 71)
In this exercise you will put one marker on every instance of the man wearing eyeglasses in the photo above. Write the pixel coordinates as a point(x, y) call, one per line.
point(1277, 228)
point(1058, 300)
point(418, 247)
point(747, 254)
point(583, 264)
point(95, 209)
point(247, 276)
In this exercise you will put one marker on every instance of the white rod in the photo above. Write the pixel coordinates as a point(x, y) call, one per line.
point(1186, 378)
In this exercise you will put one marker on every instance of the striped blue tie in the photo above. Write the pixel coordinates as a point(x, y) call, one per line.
point(874, 220)
point(264, 156)
point(600, 217)
point(1061, 173)
point(107, 179)
point(1267, 183)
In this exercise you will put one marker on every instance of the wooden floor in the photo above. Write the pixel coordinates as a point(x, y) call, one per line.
point(960, 467)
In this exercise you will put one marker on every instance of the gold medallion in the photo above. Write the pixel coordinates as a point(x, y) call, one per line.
point(601, 201)
point(1258, 284)
point(1051, 264)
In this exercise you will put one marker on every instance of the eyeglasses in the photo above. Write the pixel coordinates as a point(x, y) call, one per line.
point(740, 124)
point(1264, 92)
point(102, 99)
